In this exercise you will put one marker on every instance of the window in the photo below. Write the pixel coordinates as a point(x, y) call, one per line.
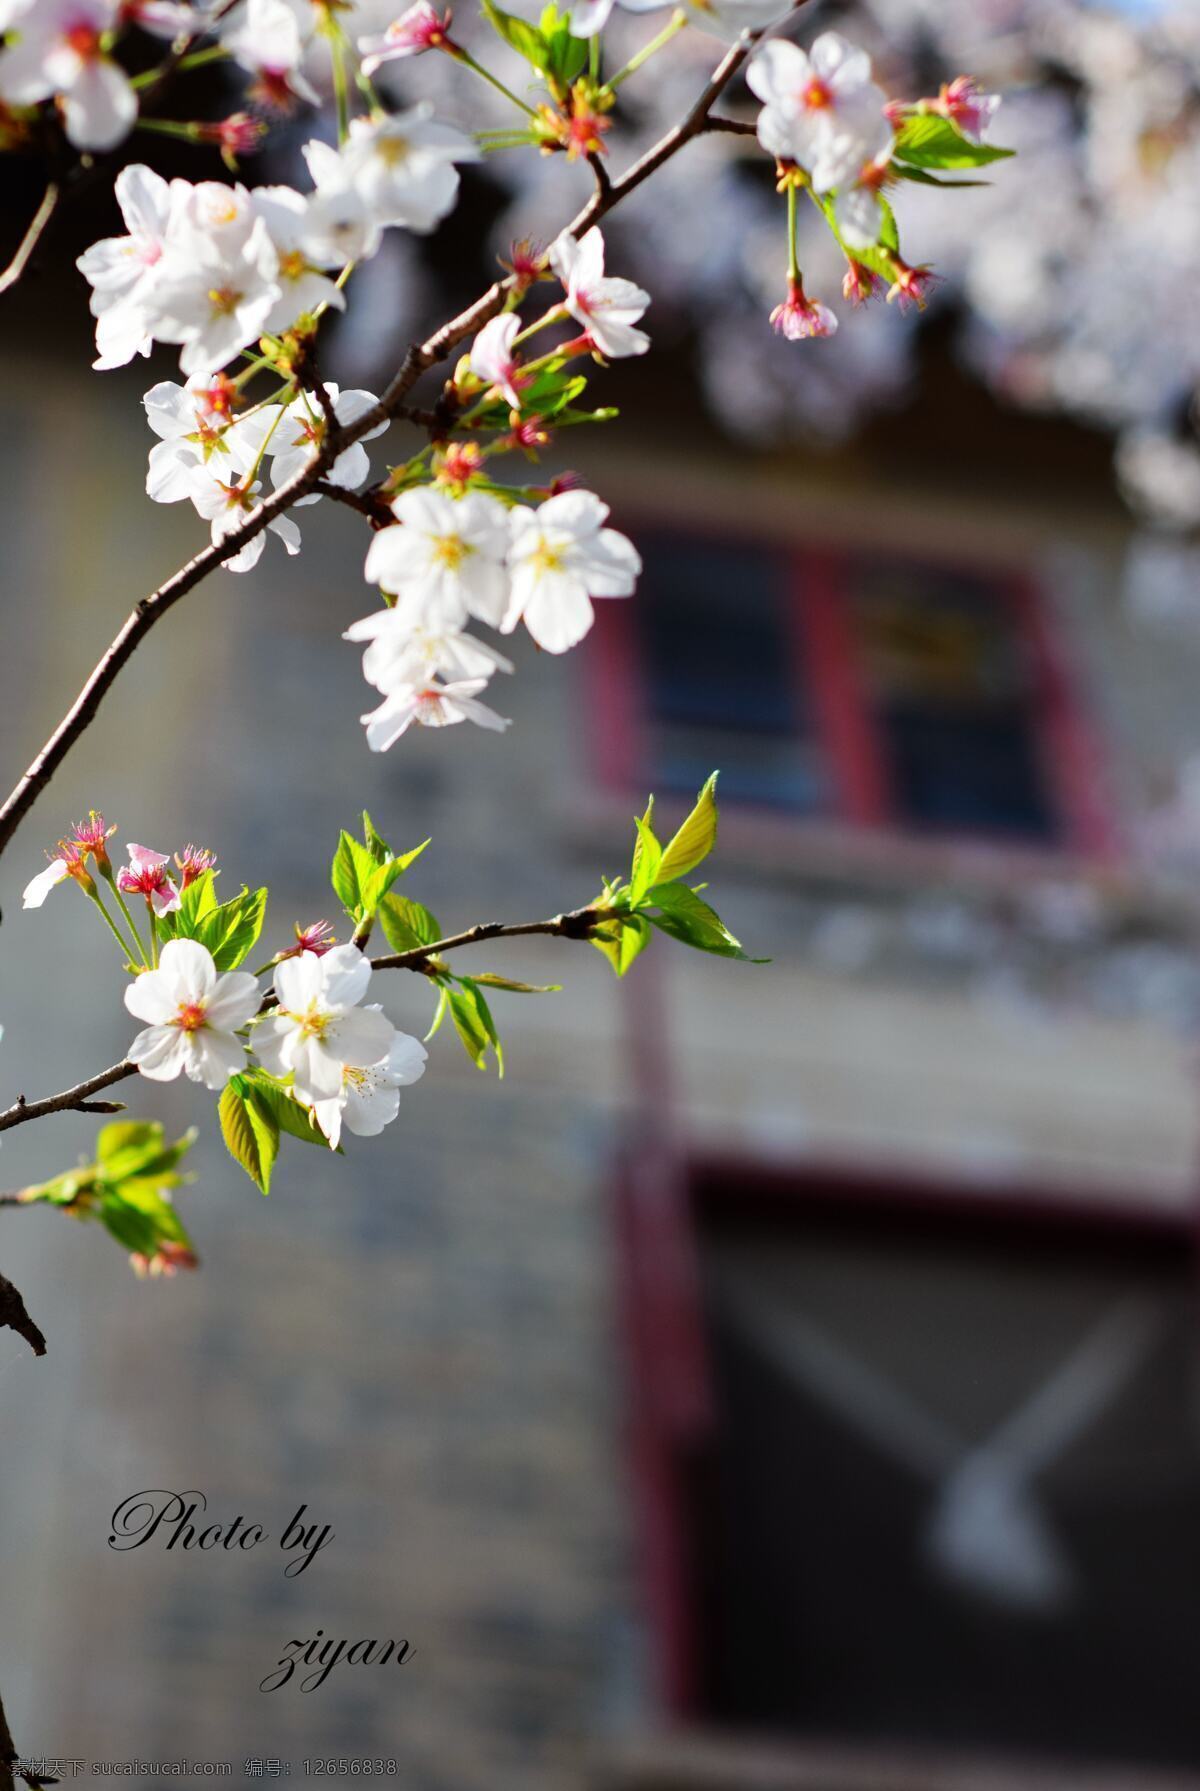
point(846, 685)
point(944, 1490)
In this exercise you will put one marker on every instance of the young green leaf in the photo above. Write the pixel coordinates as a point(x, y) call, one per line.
point(406, 924)
point(930, 141)
point(622, 941)
point(385, 874)
point(647, 855)
point(197, 900)
point(695, 839)
point(289, 1114)
point(377, 846)
point(491, 981)
point(352, 869)
point(249, 1129)
point(474, 1024)
point(685, 917)
point(231, 931)
point(518, 34)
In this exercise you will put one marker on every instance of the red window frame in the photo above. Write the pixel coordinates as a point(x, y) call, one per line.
point(847, 736)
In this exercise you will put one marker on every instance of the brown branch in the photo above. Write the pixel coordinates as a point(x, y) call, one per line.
point(737, 127)
point(51, 199)
point(418, 360)
point(70, 1100)
point(580, 923)
point(14, 1315)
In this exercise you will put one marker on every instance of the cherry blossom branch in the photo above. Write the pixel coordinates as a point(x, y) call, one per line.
point(418, 360)
point(14, 1315)
point(51, 199)
point(579, 923)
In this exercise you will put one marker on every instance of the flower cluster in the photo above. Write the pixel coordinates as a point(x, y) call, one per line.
point(833, 133)
point(211, 267)
point(202, 1014)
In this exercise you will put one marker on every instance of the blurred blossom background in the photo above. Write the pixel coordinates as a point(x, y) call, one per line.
point(787, 1377)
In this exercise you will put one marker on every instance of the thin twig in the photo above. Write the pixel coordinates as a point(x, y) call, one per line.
point(737, 127)
point(580, 923)
point(418, 360)
point(51, 200)
point(14, 1315)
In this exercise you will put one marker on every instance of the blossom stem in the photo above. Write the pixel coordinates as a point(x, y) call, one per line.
point(556, 314)
point(195, 59)
point(341, 93)
point(279, 416)
point(153, 938)
point(677, 23)
point(169, 127)
point(465, 56)
point(93, 895)
point(793, 262)
point(123, 905)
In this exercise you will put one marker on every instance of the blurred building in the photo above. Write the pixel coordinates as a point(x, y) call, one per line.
point(787, 1376)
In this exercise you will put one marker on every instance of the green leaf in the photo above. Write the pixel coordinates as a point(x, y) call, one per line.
point(695, 839)
point(290, 1115)
point(473, 1021)
point(125, 1135)
point(406, 924)
point(622, 941)
point(441, 1010)
point(923, 177)
point(647, 855)
point(565, 55)
point(249, 1129)
point(385, 875)
point(491, 981)
point(518, 34)
point(352, 869)
point(136, 1148)
point(197, 900)
point(685, 917)
point(377, 846)
point(889, 236)
point(231, 931)
point(930, 141)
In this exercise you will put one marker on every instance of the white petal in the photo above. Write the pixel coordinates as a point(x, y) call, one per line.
point(39, 887)
point(160, 1052)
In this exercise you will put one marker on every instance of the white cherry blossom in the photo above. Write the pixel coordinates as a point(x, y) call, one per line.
point(403, 166)
point(218, 282)
point(266, 39)
point(226, 506)
point(821, 108)
point(192, 1015)
point(59, 55)
point(339, 224)
point(302, 431)
point(492, 357)
point(121, 269)
point(369, 1098)
point(431, 705)
point(421, 28)
point(303, 287)
point(197, 426)
point(561, 557)
point(400, 653)
point(607, 307)
point(320, 1027)
point(444, 557)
